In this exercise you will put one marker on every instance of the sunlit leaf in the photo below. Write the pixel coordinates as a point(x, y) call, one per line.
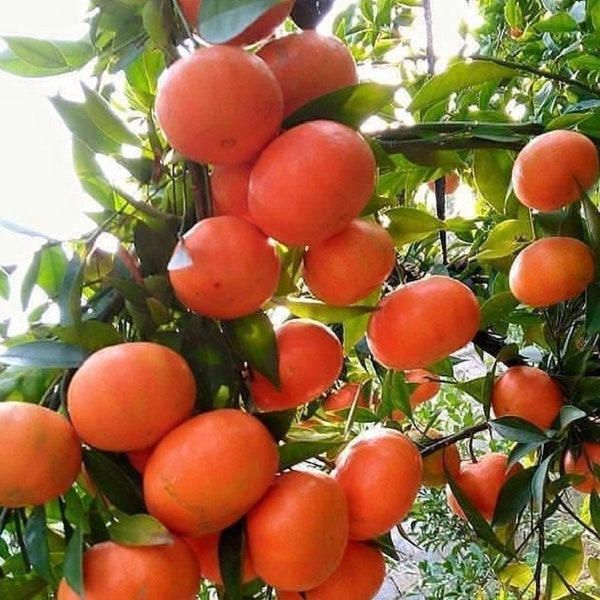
point(505, 239)
point(295, 452)
point(457, 77)
point(44, 354)
point(139, 530)
point(408, 225)
point(517, 575)
point(4, 284)
point(565, 562)
point(313, 309)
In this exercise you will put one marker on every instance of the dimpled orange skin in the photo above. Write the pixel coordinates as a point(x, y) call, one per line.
point(206, 474)
point(551, 270)
point(359, 577)
point(298, 531)
point(128, 396)
point(224, 268)
point(41, 455)
point(206, 549)
point(528, 393)
point(350, 265)
point(422, 322)
point(554, 169)
point(583, 465)
point(307, 65)
point(310, 359)
point(311, 182)
point(259, 30)
point(115, 572)
point(380, 472)
point(219, 105)
point(481, 483)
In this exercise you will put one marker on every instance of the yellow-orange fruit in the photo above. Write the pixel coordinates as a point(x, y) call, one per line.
point(219, 105)
point(585, 464)
point(224, 268)
point(380, 472)
point(128, 396)
point(349, 265)
point(554, 169)
point(307, 65)
point(229, 189)
point(206, 474)
point(422, 322)
point(117, 572)
point(298, 531)
point(41, 456)
point(551, 270)
point(451, 183)
point(528, 393)
point(344, 397)
point(436, 464)
point(311, 182)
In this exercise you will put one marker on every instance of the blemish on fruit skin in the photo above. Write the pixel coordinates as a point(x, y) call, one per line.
point(228, 142)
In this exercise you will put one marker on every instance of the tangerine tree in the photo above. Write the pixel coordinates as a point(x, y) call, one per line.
point(336, 312)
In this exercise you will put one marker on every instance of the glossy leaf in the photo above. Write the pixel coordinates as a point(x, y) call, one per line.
point(505, 239)
point(514, 496)
point(89, 335)
point(595, 510)
point(52, 270)
point(408, 225)
point(73, 563)
point(538, 485)
point(296, 452)
point(313, 309)
point(492, 170)
point(43, 354)
point(395, 395)
point(457, 77)
point(350, 105)
point(565, 562)
point(36, 541)
point(253, 338)
point(117, 479)
point(221, 20)
point(139, 530)
point(518, 430)
point(497, 309)
point(231, 548)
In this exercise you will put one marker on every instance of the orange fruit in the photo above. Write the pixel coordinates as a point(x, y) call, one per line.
point(584, 464)
point(41, 455)
point(308, 65)
point(427, 386)
point(349, 265)
point(206, 549)
point(139, 458)
point(205, 474)
point(436, 465)
point(224, 268)
point(119, 572)
point(128, 396)
point(422, 322)
point(229, 189)
point(261, 28)
point(451, 183)
point(554, 169)
point(310, 359)
point(219, 105)
point(380, 472)
point(311, 182)
point(551, 270)
point(529, 393)
point(359, 577)
point(298, 531)
point(481, 483)
point(344, 397)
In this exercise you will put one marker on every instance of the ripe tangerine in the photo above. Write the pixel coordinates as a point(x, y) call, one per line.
point(584, 464)
point(229, 189)
point(311, 182)
point(128, 396)
point(422, 322)
point(205, 474)
point(224, 268)
point(41, 455)
point(219, 105)
point(551, 270)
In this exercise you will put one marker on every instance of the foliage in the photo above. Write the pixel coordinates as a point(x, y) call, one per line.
point(537, 69)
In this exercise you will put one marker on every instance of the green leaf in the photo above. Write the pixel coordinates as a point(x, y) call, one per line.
point(43, 354)
point(221, 20)
point(296, 452)
point(313, 309)
point(538, 485)
point(557, 23)
point(518, 430)
point(139, 530)
point(594, 569)
point(395, 395)
point(408, 225)
point(253, 338)
point(514, 496)
point(505, 239)
point(89, 335)
point(350, 105)
point(231, 548)
point(4, 284)
point(565, 562)
point(592, 309)
point(595, 510)
point(117, 479)
point(31, 57)
point(23, 587)
point(497, 309)
point(473, 387)
point(30, 279)
point(53, 266)
point(492, 170)
point(592, 220)
point(71, 291)
point(569, 414)
point(73, 563)
point(457, 77)
point(36, 541)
